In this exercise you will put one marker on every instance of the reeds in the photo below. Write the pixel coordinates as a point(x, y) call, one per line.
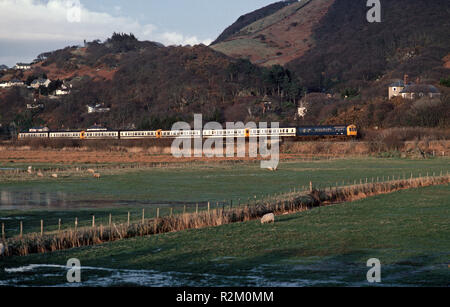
point(282, 204)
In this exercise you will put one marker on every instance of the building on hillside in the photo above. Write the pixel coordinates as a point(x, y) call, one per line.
point(61, 92)
point(22, 66)
point(397, 87)
point(11, 83)
point(35, 106)
point(98, 108)
point(411, 91)
point(96, 127)
point(416, 91)
point(3, 67)
point(39, 129)
point(40, 82)
point(16, 82)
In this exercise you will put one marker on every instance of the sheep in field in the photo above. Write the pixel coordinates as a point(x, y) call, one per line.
point(97, 175)
point(268, 219)
point(91, 171)
point(40, 174)
point(30, 170)
point(54, 175)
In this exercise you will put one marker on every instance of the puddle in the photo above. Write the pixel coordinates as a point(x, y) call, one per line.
point(54, 276)
point(104, 277)
point(21, 200)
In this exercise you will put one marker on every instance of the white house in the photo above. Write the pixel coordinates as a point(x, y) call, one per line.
point(61, 92)
point(416, 91)
point(11, 83)
point(39, 129)
point(22, 66)
point(98, 108)
point(396, 88)
point(16, 82)
point(40, 82)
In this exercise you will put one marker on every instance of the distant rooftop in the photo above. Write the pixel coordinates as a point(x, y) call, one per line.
point(420, 88)
point(400, 83)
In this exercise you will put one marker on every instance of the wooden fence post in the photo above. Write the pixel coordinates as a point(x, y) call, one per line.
point(128, 220)
point(310, 187)
point(196, 208)
point(76, 223)
point(21, 229)
point(157, 213)
point(42, 228)
point(143, 216)
point(93, 221)
point(59, 225)
point(171, 212)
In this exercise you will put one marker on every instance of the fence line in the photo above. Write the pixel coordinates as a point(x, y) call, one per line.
point(268, 198)
point(293, 201)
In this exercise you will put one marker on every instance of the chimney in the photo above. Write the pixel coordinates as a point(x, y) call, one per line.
point(406, 80)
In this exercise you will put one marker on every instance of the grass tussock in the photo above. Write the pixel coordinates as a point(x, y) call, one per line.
point(282, 204)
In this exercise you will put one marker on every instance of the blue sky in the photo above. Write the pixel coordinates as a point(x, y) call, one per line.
point(30, 27)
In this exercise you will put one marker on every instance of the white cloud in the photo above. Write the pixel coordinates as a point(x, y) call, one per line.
point(174, 38)
point(56, 20)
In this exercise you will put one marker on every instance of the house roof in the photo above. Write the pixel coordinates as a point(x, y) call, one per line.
point(40, 80)
point(399, 83)
point(420, 88)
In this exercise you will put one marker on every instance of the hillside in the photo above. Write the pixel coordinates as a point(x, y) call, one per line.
point(249, 18)
point(278, 38)
point(413, 39)
point(344, 47)
point(146, 86)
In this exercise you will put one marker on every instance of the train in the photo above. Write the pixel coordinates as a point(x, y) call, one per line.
point(347, 131)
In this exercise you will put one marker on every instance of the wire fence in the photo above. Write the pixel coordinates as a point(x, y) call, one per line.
point(110, 228)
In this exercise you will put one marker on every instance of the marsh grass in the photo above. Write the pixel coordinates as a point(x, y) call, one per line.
point(288, 203)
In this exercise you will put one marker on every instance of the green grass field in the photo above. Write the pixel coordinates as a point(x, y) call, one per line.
point(119, 192)
point(408, 231)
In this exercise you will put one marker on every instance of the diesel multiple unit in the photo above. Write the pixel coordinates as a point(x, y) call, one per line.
point(104, 134)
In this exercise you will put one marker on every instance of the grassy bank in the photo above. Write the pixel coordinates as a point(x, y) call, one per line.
point(408, 231)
